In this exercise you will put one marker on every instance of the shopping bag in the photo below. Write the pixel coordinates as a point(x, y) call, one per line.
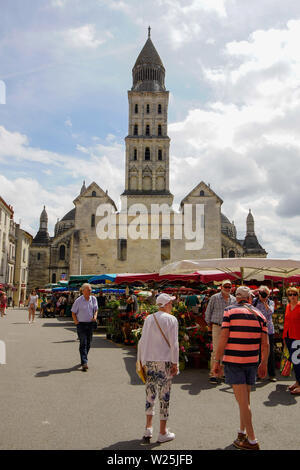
point(140, 370)
point(286, 365)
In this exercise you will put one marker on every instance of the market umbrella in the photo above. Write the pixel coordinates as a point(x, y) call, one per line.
point(102, 278)
point(249, 268)
point(134, 277)
point(210, 276)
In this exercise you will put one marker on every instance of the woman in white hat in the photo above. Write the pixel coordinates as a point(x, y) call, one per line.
point(158, 351)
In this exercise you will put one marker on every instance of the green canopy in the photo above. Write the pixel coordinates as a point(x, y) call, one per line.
point(79, 280)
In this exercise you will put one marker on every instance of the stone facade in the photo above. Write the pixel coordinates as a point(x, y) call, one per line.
point(79, 246)
point(23, 242)
point(7, 246)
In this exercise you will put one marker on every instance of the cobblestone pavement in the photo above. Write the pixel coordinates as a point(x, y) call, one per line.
point(47, 402)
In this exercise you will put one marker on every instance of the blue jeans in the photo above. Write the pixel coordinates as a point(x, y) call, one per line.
point(85, 334)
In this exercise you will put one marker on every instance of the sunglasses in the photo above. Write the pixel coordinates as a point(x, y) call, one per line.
point(295, 295)
point(227, 287)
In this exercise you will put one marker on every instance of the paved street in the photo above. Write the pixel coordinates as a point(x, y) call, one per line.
point(47, 402)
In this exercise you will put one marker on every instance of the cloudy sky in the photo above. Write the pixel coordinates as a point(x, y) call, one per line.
point(233, 72)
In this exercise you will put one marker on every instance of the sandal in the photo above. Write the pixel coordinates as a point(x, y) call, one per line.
point(296, 391)
point(292, 387)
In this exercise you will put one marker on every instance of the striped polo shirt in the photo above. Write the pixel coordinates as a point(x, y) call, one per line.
point(245, 332)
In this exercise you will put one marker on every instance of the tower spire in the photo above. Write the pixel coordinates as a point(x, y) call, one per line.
point(149, 32)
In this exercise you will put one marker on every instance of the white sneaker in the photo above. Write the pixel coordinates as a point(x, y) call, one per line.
point(148, 432)
point(169, 436)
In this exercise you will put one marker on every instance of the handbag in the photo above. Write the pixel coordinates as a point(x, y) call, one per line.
point(140, 370)
point(285, 365)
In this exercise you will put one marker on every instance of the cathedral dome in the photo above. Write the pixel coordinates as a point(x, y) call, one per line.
point(70, 215)
point(227, 227)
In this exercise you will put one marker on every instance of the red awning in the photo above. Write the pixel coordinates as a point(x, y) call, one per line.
point(295, 278)
point(210, 276)
point(142, 277)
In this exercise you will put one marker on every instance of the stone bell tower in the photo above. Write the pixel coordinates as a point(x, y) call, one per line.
point(147, 143)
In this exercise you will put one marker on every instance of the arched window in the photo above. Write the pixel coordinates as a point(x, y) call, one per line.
point(147, 129)
point(159, 109)
point(135, 154)
point(122, 249)
point(147, 153)
point(136, 109)
point(231, 254)
point(93, 220)
point(159, 154)
point(159, 131)
point(148, 108)
point(165, 249)
point(94, 194)
point(62, 252)
point(136, 129)
point(201, 193)
point(53, 278)
point(39, 256)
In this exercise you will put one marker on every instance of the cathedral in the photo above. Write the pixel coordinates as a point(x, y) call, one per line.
point(80, 246)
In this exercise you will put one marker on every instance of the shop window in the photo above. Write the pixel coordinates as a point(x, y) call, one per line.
point(147, 153)
point(122, 249)
point(165, 249)
point(62, 252)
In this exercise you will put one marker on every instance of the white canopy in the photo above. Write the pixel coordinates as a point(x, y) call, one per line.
point(250, 268)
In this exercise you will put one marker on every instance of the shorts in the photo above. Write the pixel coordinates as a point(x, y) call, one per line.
point(236, 374)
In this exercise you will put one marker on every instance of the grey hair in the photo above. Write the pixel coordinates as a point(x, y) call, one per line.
point(265, 288)
point(85, 285)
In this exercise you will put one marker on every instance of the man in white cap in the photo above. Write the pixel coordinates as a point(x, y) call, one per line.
point(214, 316)
point(244, 332)
point(158, 351)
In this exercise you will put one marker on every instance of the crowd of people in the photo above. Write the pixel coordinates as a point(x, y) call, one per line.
point(242, 350)
point(242, 332)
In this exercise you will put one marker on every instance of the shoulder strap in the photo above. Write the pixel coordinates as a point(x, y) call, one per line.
point(254, 312)
point(161, 330)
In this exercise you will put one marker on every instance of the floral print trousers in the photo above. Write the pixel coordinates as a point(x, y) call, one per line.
point(158, 379)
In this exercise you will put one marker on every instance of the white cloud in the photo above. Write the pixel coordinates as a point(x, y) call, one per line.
point(101, 163)
point(85, 37)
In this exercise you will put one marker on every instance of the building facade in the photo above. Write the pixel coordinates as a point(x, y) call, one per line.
point(23, 242)
point(7, 246)
point(95, 237)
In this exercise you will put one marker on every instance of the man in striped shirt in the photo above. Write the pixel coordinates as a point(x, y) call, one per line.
point(244, 331)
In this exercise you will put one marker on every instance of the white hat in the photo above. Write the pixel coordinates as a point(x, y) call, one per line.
point(163, 299)
point(226, 281)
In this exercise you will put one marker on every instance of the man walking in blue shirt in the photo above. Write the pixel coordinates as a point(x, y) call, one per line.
point(84, 314)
